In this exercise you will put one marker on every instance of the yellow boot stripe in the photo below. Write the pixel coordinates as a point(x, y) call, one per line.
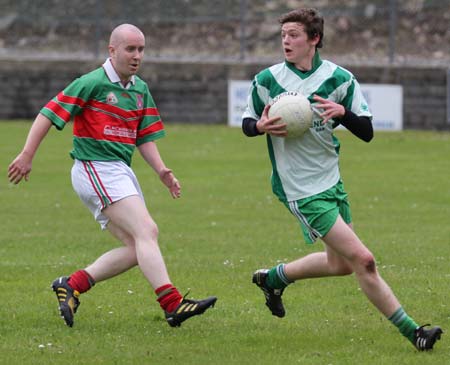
point(181, 309)
point(194, 307)
point(187, 307)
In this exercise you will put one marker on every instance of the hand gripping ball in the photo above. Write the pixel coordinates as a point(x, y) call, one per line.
point(295, 110)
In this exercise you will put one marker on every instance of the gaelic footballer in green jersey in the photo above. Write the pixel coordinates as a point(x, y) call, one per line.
point(310, 166)
point(305, 171)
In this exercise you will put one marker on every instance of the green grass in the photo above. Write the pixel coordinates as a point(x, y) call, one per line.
point(226, 225)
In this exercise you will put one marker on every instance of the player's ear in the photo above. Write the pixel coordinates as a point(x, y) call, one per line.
point(111, 50)
point(315, 39)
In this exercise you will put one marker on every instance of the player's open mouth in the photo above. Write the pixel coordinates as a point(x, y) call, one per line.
point(287, 51)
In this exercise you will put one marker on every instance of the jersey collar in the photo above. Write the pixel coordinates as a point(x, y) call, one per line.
point(316, 62)
point(112, 74)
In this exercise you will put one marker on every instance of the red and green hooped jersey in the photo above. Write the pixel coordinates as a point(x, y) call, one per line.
point(109, 120)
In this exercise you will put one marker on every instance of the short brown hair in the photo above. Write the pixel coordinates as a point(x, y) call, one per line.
point(310, 18)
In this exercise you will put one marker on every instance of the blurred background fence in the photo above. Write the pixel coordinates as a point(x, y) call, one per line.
point(194, 47)
point(367, 31)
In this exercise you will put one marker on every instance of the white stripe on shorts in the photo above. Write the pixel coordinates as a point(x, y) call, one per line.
point(101, 183)
point(97, 184)
point(313, 233)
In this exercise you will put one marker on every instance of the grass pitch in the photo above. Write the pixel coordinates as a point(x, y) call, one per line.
point(226, 225)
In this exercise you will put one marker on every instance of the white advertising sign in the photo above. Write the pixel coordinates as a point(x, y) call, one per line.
point(237, 101)
point(385, 102)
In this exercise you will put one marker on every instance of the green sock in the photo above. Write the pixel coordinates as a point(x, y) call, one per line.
point(404, 323)
point(276, 278)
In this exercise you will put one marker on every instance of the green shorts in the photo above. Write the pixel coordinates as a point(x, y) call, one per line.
point(318, 213)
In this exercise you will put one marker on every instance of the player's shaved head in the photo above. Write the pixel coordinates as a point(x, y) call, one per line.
point(118, 34)
point(126, 50)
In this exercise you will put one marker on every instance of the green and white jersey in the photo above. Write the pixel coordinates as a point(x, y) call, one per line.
point(308, 165)
point(109, 119)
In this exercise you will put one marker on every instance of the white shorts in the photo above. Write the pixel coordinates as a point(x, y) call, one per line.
point(101, 183)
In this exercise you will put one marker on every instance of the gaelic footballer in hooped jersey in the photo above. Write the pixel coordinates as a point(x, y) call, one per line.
point(108, 120)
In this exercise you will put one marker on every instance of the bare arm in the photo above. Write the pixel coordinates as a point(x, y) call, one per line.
point(150, 154)
point(21, 166)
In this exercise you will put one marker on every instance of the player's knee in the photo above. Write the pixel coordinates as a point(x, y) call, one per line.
point(368, 263)
point(153, 230)
point(147, 231)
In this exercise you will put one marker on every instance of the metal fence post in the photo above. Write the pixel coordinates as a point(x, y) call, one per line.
point(393, 9)
point(97, 27)
point(242, 25)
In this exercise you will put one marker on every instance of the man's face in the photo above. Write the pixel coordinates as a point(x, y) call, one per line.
point(126, 55)
point(296, 45)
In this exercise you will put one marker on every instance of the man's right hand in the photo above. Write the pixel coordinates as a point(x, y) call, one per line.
point(269, 125)
point(20, 168)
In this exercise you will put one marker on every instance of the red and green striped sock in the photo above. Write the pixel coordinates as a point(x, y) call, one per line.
point(168, 297)
point(81, 281)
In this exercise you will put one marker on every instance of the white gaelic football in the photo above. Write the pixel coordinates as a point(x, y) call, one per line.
point(295, 110)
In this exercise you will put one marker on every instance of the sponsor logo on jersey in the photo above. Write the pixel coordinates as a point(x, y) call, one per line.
point(111, 98)
point(119, 132)
point(125, 95)
point(139, 101)
point(318, 125)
